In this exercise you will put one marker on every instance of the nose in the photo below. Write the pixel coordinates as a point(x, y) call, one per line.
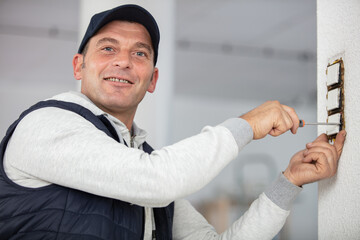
point(122, 59)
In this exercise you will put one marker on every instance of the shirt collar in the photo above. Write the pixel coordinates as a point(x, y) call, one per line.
point(83, 100)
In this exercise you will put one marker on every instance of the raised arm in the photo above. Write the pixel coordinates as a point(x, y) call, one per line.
point(57, 146)
point(272, 118)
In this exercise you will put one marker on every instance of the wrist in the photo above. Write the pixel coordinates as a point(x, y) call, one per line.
point(290, 178)
point(282, 192)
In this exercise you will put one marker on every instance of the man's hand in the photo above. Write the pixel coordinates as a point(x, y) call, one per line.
point(318, 161)
point(272, 118)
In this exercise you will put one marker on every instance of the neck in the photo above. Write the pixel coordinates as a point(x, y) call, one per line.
point(128, 123)
point(125, 118)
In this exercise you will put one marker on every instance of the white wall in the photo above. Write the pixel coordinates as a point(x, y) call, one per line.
point(37, 67)
point(339, 197)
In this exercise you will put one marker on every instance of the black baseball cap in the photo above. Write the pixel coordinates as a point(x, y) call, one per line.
point(129, 12)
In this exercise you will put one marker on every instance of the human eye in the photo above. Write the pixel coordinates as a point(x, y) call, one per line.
point(141, 54)
point(108, 49)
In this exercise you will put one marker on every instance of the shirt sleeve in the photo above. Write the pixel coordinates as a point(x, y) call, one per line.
point(60, 147)
point(263, 220)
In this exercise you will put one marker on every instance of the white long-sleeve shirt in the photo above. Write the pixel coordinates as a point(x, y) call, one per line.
point(53, 145)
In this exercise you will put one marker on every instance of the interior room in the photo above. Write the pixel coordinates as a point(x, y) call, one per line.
point(226, 57)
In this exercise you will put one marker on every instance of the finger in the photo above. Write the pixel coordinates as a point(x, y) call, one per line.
point(324, 164)
point(283, 122)
point(339, 141)
point(294, 118)
point(330, 154)
point(279, 129)
point(313, 157)
point(321, 138)
point(307, 159)
point(319, 169)
point(288, 122)
point(319, 144)
point(336, 148)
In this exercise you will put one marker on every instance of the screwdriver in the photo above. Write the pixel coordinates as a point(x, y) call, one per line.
point(302, 123)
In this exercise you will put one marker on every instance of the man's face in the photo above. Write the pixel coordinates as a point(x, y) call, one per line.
point(117, 68)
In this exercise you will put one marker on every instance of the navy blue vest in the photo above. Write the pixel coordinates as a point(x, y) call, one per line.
point(56, 212)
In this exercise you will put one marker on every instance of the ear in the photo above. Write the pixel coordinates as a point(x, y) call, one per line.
point(153, 81)
point(77, 65)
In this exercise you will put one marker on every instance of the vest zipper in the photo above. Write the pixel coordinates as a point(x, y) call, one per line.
point(132, 141)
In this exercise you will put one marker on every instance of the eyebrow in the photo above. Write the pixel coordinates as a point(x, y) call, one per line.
point(144, 45)
point(114, 41)
point(107, 39)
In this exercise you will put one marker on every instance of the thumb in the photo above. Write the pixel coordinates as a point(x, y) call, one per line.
point(339, 141)
point(321, 138)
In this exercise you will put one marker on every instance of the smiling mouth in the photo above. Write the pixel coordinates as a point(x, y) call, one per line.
point(112, 79)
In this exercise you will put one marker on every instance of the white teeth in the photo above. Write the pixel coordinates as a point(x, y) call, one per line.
point(118, 80)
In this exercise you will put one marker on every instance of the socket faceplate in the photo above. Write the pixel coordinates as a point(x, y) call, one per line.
point(335, 98)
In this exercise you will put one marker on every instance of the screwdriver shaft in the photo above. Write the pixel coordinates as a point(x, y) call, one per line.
point(302, 123)
point(321, 123)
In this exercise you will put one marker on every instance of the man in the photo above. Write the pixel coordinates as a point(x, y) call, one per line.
point(78, 167)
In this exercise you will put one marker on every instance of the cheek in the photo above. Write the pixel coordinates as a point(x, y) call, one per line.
point(147, 73)
point(96, 64)
point(89, 82)
point(93, 67)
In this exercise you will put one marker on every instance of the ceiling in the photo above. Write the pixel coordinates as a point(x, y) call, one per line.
point(236, 49)
point(229, 49)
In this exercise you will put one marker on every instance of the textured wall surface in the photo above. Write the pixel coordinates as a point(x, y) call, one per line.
point(339, 197)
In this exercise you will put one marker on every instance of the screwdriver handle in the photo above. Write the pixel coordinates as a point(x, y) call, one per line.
point(301, 123)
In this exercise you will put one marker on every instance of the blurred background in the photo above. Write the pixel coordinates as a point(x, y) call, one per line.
point(229, 57)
